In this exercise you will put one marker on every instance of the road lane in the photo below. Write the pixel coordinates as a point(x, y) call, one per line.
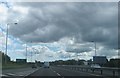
point(56, 71)
point(44, 72)
point(67, 72)
point(53, 71)
point(18, 72)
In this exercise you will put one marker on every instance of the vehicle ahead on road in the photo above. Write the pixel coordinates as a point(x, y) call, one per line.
point(95, 66)
point(46, 65)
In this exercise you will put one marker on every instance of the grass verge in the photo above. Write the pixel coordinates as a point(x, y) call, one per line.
point(14, 66)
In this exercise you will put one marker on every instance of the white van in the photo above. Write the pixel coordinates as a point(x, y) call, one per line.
point(46, 65)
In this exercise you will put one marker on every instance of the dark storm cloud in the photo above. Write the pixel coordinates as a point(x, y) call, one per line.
point(49, 22)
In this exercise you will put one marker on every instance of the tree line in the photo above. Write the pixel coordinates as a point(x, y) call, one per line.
point(4, 57)
point(113, 63)
point(110, 63)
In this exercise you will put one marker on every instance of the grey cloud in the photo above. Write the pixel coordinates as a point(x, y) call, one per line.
point(78, 48)
point(63, 54)
point(49, 22)
point(107, 52)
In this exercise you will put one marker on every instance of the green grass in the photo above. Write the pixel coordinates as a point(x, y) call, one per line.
point(14, 66)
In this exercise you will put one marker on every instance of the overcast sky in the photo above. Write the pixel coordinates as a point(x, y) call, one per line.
point(60, 30)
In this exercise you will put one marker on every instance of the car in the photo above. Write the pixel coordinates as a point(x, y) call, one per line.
point(95, 66)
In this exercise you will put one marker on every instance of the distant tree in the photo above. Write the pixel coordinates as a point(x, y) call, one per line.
point(113, 63)
point(67, 62)
point(81, 62)
point(4, 57)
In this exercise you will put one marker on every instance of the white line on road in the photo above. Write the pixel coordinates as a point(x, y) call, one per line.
point(33, 71)
point(58, 74)
point(2, 75)
point(94, 74)
point(10, 74)
point(55, 72)
point(82, 72)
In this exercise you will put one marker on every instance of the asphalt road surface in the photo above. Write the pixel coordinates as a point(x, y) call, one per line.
point(17, 72)
point(60, 72)
point(54, 72)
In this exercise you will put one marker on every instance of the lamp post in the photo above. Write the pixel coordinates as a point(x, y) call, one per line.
point(95, 47)
point(31, 56)
point(77, 58)
point(35, 51)
point(2, 42)
point(7, 31)
point(26, 51)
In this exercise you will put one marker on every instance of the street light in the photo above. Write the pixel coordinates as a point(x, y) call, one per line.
point(95, 47)
point(7, 40)
point(2, 36)
point(26, 51)
point(35, 51)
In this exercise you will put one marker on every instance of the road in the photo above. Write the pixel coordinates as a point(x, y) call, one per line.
point(18, 72)
point(60, 72)
point(54, 71)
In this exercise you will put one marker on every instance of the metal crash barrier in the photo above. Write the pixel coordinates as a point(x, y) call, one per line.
point(102, 70)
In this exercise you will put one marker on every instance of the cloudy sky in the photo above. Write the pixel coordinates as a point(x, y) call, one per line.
point(60, 30)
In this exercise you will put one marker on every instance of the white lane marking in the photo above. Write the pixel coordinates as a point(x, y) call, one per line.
point(10, 74)
point(58, 74)
point(32, 71)
point(94, 74)
point(82, 72)
point(2, 75)
point(55, 72)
